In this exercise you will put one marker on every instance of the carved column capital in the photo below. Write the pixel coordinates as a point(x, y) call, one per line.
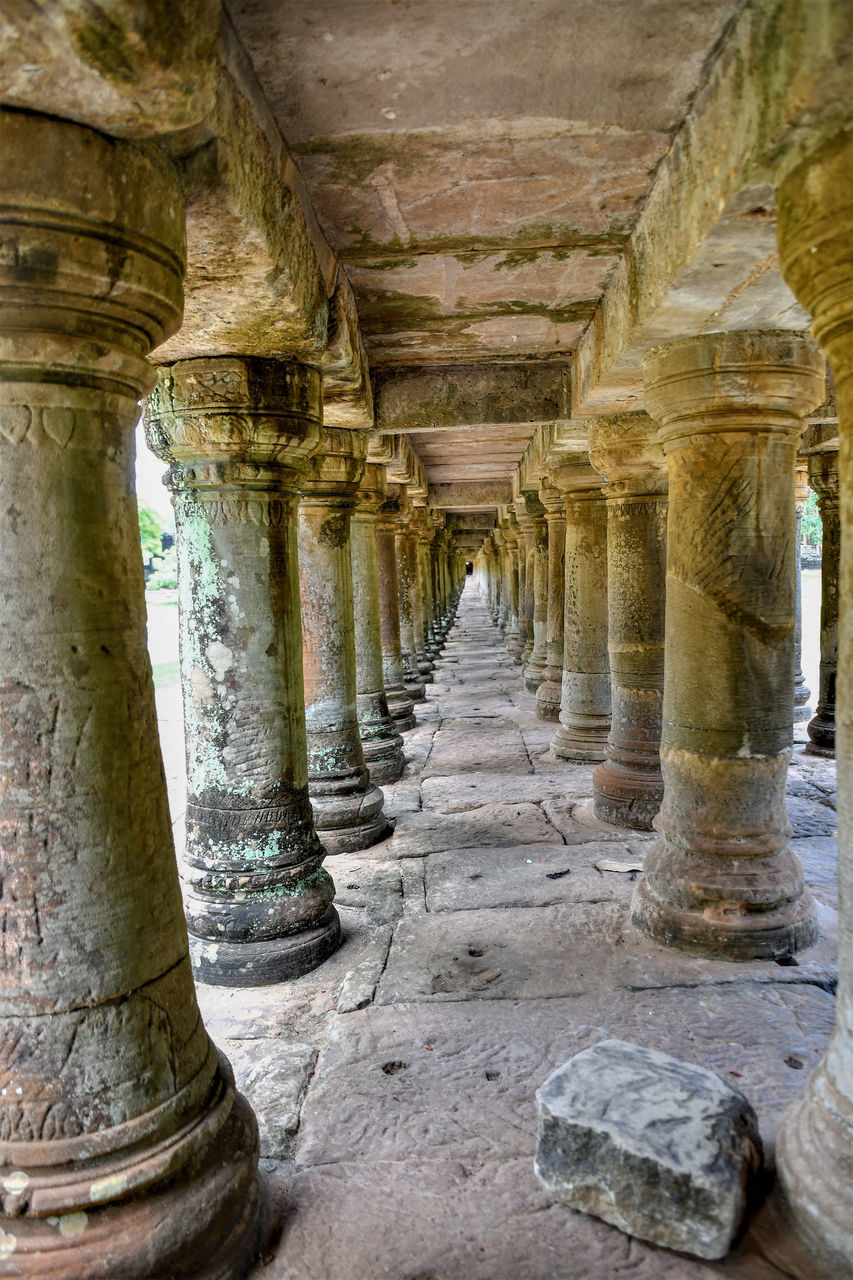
point(624, 448)
point(335, 471)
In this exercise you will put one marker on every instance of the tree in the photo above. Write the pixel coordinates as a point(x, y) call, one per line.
point(812, 523)
point(150, 531)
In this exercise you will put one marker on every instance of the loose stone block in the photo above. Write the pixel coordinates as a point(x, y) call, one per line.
point(661, 1148)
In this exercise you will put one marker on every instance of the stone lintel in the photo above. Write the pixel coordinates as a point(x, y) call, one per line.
point(470, 495)
point(471, 395)
point(770, 79)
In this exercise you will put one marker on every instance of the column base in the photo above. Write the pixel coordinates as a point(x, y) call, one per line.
point(805, 1224)
point(627, 796)
point(821, 731)
point(257, 964)
point(204, 1223)
point(589, 744)
point(549, 698)
point(749, 909)
point(425, 668)
point(401, 708)
point(533, 674)
point(349, 822)
point(415, 690)
point(384, 758)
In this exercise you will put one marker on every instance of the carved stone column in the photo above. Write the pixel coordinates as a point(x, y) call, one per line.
point(802, 692)
point(237, 432)
point(434, 641)
point(550, 691)
point(400, 704)
point(512, 637)
point(347, 806)
point(585, 694)
point(380, 740)
point(406, 584)
point(125, 1150)
point(526, 556)
point(499, 539)
point(823, 477)
point(419, 618)
point(628, 786)
point(721, 880)
point(535, 669)
point(814, 1153)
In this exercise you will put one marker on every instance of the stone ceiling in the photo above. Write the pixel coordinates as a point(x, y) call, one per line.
point(477, 165)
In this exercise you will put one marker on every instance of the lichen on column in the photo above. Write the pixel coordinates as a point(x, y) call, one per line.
point(347, 806)
point(124, 1150)
point(238, 432)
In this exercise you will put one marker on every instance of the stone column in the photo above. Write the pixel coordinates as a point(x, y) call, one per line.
point(434, 641)
point(628, 786)
point(400, 704)
point(499, 539)
point(125, 1150)
point(721, 880)
point(585, 694)
point(823, 477)
point(550, 690)
point(814, 1152)
point(802, 692)
point(381, 743)
point(526, 556)
point(419, 621)
point(406, 587)
point(512, 637)
point(238, 432)
point(347, 806)
point(538, 660)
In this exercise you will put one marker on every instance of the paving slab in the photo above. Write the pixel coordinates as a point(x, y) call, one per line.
point(501, 751)
point(568, 949)
point(577, 823)
point(460, 794)
point(457, 1081)
point(527, 875)
point(274, 1077)
point(419, 834)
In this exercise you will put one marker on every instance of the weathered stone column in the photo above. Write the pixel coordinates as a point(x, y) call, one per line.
point(347, 806)
point(434, 641)
point(512, 637)
point(419, 621)
point(550, 689)
point(628, 786)
point(381, 743)
point(823, 477)
point(526, 556)
point(406, 586)
point(125, 1150)
point(814, 1153)
point(721, 880)
point(535, 669)
point(802, 692)
point(585, 694)
point(237, 432)
point(400, 704)
point(499, 539)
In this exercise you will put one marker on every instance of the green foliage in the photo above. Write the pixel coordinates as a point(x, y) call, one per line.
point(812, 524)
point(151, 525)
point(165, 573)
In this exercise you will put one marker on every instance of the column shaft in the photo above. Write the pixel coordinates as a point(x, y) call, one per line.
point(237, 432)
point(400, 704)
point(823, 475)
point(585, 690)
point(125, 1151)
point(381, 743)
point(538, 660)
point(722, 880)
point(347, 806)
point(628, 786)
point(550, 690)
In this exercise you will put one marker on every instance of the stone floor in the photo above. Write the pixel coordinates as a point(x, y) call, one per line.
point(486, 941)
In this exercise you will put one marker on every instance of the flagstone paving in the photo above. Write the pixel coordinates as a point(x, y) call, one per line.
point(486, 942)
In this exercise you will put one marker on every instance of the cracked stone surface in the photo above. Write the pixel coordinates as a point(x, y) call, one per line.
point(483, 948)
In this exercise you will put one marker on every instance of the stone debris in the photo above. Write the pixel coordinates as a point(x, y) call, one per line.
point(661, 1148)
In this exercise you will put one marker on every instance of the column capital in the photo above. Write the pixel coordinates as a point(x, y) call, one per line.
point(534, 506)
point(234, 419)
point(336, 469)
point(373, 489)
point(576, 480)
point(626, 451)
point(741, 380)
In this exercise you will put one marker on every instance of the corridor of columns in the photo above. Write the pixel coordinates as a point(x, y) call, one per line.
point(485, 941)
point(551, 299)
